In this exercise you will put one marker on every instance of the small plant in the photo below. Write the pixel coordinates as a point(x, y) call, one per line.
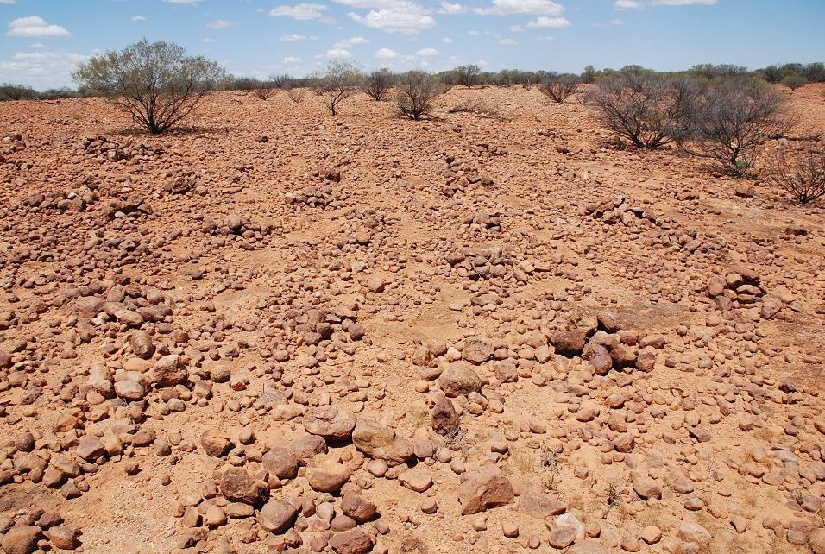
point(803, 177)
point(264, 92)
point(415, 93)
point(614, 498)
point(296, 94)
point(550, 463)
point(340, 80)
point(794, 81)
point(378, 84)
point(467, 75)
point(559, 88)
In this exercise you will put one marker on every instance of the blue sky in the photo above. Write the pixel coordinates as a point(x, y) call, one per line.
point(43, 40)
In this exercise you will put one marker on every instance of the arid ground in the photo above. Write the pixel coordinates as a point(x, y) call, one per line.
point(490, 331)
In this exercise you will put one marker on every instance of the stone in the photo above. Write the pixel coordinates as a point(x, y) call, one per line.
point(599, 357)
point(416, 479)
point(307, 446)
point(130, 390)
point(459, 379)
point(693, 532)
point(142, 344)
point(562, 537)
point(379, 441)
point(328, 476)
point(646, 487)
point(169, 371)
point(444, 418)
point(484, 490)
point(351, 542)
point(277, 516)
point(540, 506)
point(90, 448)
point(816, 541)
point(21, 539)
point(240, 486)
point(330, 423)
point(358, 508)
point(214, 517)
point(280, 462)
point(651, 534)
point(63, 538)
point(215, 443)
point(587, 547)
point(568, 343)
point(477, 352)
point(630, 544)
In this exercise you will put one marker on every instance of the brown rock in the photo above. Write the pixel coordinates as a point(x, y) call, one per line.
point(277, 516)
point(416, 479)
point(568, 343)
point(169, 371)
point(358, 508)
point(541, 506)
point(306, 447)
point(215, 443)
point(484, 490)
point(477, 352)
point(328, 476)
point(646, 487)
point(816, 540)
point(21, 539)
point(142, 344)
point(90, 448)
point(130, 390)
point(330, 423)
point(5, 359)
point(444, 417)
point(238, 485)
point(651, 534)
point(459, 379)
point(351, 542)
point(378, 441)
point(63, 538)
point(280, 462)
point(562, 537)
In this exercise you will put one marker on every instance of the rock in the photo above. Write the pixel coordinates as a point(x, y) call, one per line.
point(90, 448)
point(215, 443)
point(277, 516)
point(651, 534)
point(24, 442)
point(693, 532)
point(646, 487)
point(5, 359)
point(328, 476)
point(142, 344)
point(816, 540)
point(609, 321)
point(358, 508)
point(599, 357)
point(214, 517)
point(459, 379)
point(477, 352)
point(378, 441)
point(484, 490)
point(416, 479)
point(238, 485)
point(541, 506)
point(130, 390)
point(568, 343)
point(351, 542)
point(168, 371)
point(330, 423)
point(587, 547)
point(63, 538)
point(280, 462)
point(21, 539)
point(306, 447)
point(562, 537)
point(444, 417)
point(716, 286)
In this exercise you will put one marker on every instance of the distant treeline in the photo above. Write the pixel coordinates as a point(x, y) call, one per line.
point(793, 75)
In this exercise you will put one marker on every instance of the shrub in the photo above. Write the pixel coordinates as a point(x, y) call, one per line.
point(16, 92)
point(646, 108)
point(559, 87)
point(340, 80)
point(378, 84)
point(733, 118)
point(415, 93)
point(467, 75)
point(157, 84)
point(794, 81)
point(802, 177)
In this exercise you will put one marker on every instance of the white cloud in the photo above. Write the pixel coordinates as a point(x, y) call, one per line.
point(137, 18)
point(350, 42)
point(452, 8)
point(219, 24)
point(335, 53)
point(392, 16)
point(36, 44)
point(546, 38)
point(291, 59)
point(7, 1)
point(302, 11)
point(612, 23)
point(530, 7)
point(548, 22)
point(516, 28)
point(386, 54)
point(473, 33)
point(447, 40)
point(684, 2)
point(508, 42)
point(35, 26)
point(627, 5)
point(181, 1)
point(41, 70)
point(427, 52)
point(292, 38)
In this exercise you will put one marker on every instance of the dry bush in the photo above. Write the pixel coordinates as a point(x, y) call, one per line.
point(378, 84)
point(480, 107)
point(731, 120)
point(296, 94)
point(802, 176)
point(340, 80)
point(264, 92)
point(559, 88)
point(415, 93)
point(16, 92)
point(641, 106)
